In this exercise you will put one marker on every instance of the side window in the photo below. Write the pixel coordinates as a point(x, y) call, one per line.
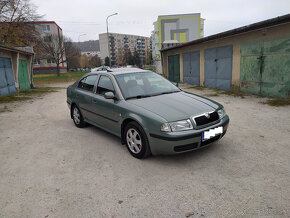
point(88, 83)
point(105, 85)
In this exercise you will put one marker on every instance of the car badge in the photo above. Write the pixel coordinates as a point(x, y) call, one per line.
point(207, 115)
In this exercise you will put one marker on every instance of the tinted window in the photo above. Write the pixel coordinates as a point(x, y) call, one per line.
point(88, 83)
point(105, 85)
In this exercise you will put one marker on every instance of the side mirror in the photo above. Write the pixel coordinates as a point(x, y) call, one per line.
point(109, 95)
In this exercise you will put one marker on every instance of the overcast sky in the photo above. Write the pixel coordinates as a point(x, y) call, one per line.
point(88, 17)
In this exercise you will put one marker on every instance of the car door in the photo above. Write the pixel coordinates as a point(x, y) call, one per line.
point(84, 93)
point(107, 113)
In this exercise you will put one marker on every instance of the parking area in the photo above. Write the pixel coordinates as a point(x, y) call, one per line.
point(50, 168)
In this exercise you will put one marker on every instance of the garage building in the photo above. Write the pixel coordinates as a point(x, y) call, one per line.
point(254, 58)
point(15, 69)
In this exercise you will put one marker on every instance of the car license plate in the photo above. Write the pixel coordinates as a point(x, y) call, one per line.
point(212, 133)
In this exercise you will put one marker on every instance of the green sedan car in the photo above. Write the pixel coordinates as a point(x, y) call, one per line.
point(149, 113)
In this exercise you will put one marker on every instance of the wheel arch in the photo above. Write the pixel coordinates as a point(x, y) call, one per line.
point(124, 124)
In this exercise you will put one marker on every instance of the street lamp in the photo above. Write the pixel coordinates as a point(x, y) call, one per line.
point(80, 46)
point(108, 38)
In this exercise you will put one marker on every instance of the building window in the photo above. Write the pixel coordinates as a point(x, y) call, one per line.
point(36, 61)
point(47, 38)
point(50, 61)
point(45, 27)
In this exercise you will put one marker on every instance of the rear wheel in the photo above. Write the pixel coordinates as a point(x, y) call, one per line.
point(136, 140)
point(77, 117)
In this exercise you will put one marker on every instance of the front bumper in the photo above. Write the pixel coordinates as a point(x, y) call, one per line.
point(184, 141)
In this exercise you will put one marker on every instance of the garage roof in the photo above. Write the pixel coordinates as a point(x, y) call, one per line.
point(251, 27)
point(23, 50)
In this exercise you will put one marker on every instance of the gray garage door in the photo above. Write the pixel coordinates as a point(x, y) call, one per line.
point(7, 83)
point(191, 68)
point(218, 67)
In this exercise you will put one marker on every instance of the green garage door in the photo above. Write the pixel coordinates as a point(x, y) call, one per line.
point(173, 68)
point(265, 67)
point(7, 83)
point(23, 76)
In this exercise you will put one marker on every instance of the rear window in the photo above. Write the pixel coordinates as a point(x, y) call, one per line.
point(88, 83)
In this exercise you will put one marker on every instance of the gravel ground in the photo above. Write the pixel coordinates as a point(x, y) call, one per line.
point(50, 168)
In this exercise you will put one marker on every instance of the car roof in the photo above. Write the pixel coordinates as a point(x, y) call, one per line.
point(121, 70)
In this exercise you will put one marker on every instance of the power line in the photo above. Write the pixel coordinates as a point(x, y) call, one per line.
point(77, 22)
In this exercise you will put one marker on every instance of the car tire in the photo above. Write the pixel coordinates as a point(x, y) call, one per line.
point(77, 117)
point(136, 140)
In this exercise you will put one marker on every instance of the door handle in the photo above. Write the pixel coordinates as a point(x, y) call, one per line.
point(94, 101)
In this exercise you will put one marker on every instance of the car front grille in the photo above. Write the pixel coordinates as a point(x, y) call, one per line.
point(203, 119)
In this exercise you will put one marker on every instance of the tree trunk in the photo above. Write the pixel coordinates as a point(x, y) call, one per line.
point(57, 70)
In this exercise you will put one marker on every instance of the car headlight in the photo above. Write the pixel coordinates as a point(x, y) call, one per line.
point(221, 113)
point(176, 126)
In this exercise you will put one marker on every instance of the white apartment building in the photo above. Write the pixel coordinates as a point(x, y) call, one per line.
point(118, 42)
point(91, 53)
point(46, 28)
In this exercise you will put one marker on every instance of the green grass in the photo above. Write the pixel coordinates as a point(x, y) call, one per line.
point(233, 92)
point(64, 77)
point(198, 87)
point(278, 102)
point(27, 95)
point(212, 95)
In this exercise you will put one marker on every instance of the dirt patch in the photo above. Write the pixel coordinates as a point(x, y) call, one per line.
point(278, 102)
point(22, 96)
point(209, 92)
point(51, 168)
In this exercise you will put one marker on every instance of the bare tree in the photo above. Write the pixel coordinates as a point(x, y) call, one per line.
point(16, 28)
point(52, 47)
point(120, 56)
point(95, 61)
point(72, 53)
point(3, 7)
point(148, 57)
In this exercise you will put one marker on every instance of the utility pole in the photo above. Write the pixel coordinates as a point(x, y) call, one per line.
point(80, 47)
point(108, 37)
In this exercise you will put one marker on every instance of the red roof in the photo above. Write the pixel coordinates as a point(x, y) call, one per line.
point(50, 22)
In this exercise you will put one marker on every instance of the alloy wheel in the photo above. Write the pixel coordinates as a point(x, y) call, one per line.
point(76, 115)
point(134, 141)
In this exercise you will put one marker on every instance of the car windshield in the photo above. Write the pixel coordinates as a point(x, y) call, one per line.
point(145, 84)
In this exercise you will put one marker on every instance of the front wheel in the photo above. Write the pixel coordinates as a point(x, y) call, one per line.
point(136, 140)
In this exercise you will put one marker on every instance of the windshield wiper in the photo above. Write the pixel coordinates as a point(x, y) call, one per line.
point(164, 93)
point(138, 97)
point(146, 96)
point(169, 92)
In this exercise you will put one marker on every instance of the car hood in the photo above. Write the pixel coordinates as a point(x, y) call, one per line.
point(176, 106)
